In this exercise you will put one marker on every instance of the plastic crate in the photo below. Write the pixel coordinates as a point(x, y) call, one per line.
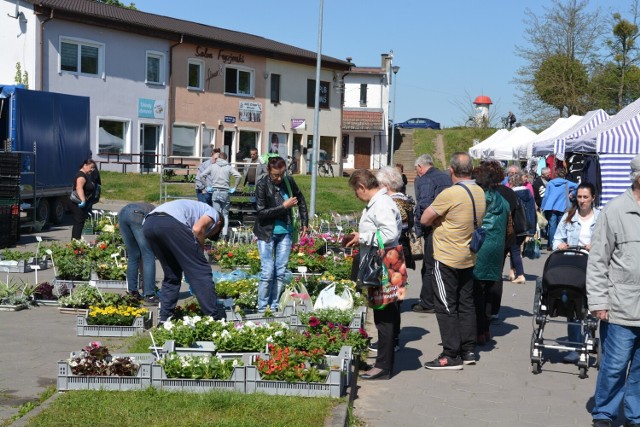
point(356, 323)
point(67, 381)
point(159, 380)
point(278, 316)
point(109, 284)
point(332, 387)
point(17, 307)
point(72, 310)
point(138, 327)
point(22, 266)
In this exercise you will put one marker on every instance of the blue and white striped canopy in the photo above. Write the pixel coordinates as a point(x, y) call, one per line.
point(573, 141)
point(582, 126)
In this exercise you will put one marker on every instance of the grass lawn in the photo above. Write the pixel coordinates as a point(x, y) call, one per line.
point(158, 409)
point(333, 194)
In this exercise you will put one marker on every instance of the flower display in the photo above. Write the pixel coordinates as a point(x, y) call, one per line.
point(291, 365)
point(198, 367)
point(96, 360)
point(114, 316)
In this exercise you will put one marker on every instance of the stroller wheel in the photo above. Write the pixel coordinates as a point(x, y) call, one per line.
point(583, 373)
point(536, 368)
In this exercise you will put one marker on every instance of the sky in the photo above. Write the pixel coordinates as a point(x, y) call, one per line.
point(449, 52)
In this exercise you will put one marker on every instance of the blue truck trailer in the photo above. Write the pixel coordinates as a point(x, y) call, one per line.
point(51, 132)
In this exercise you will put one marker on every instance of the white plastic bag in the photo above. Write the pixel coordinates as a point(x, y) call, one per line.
point(296, 293)
point(329, 299)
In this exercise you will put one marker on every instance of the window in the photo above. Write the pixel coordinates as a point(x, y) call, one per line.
point(81, 57)
point(155, 68)
point(275, 88)
point(363, 95)
point(327, 144)
point(345, 146)
point(208, 140)
point(238, 82)
point(311, 94)
point(196, 75)
point(183, 140)
point(112, 136)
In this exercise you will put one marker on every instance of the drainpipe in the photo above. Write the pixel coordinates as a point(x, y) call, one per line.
point(41, 53)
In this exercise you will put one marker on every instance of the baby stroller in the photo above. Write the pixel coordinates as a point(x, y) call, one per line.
point(561, 291)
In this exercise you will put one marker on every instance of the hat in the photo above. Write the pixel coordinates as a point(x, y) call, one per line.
point(635, 164)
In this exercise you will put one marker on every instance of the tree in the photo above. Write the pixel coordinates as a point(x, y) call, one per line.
point(604, 87)
point(118, 3)
point(568, 30)
point(624, 50)
point(562, 82)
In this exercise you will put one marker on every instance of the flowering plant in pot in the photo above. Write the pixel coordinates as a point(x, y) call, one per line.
point(95, 360)
point(114, 315)
point(291, 365)
point(329, 338)
point(198, 367)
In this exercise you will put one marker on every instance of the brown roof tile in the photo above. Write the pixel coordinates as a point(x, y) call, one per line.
point(362, 120)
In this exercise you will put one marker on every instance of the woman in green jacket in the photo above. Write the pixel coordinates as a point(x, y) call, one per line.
point(488, 268)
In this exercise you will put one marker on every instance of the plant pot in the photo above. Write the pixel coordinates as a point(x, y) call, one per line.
point(83, 329)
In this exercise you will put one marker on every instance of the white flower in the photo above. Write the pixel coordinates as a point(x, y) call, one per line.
point(168, 325)
point(109, 228)
point(225, 334)
point(250, 324)
point(279, 333)
point(269, 338)
point(235, 362)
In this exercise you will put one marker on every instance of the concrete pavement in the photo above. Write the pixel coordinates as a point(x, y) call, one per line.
point(498, 391)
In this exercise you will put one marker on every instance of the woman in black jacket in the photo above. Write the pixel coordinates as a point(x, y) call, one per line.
point(276, 196)
point(84, 186)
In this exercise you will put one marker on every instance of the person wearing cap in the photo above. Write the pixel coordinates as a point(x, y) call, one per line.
point(176, 232)
point(203, 181)
point(613, 292)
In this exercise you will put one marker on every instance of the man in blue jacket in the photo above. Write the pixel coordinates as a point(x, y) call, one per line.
point(557, 200)
point(429, 183)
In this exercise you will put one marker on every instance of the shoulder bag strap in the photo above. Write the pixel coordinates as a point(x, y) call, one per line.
point(475, 219)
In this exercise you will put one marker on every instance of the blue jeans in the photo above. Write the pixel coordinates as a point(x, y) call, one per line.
point(554, 219)
point(614, 384)
point(220, 200)
point(516, 256)
point(274, 256)
point(203, 197)
point(130, 222)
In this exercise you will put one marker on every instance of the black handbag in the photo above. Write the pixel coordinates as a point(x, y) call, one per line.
point(74, 197)
point(371, 271)
point(479, 233)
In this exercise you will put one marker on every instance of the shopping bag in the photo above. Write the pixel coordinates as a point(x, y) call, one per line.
point(372, 271)
point(294, 215)
point(328, 298)
point(542, 221)
point(532, 249)
point(395, 288)
point(417, 249)
point(296, 293)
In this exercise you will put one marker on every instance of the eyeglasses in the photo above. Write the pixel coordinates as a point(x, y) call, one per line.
point(276, 175)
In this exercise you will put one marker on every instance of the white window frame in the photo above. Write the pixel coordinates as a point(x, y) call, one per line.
point(252, 81)
point(200, 63)
point(161, 73)
point(82, 42)
point(126, 148)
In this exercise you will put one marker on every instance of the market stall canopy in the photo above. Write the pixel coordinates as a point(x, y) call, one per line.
point(477, 150)
point(552, 132)
point(584, 125)
point(504, 149)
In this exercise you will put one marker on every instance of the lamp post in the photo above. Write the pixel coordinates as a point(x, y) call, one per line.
point(316, 118)
point(395, 70)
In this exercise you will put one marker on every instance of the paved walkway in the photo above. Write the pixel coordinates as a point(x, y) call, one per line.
point(498, 391)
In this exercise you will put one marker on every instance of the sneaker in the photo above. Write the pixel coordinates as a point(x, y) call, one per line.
point(445, 362)
point(151, 299)
point(135, 294)
point(373, 346)
point(419, 308)
point(468, 358)
point(601, 423)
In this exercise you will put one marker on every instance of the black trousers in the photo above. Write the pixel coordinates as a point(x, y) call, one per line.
point(178, 251)
point(483, 296)
point(387, 323)
point(455, 309)
point(79, 216)
point(426, 292)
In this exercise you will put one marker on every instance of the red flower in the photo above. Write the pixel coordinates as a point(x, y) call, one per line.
point(230, 254)
point(103, 246)
point(314, 321)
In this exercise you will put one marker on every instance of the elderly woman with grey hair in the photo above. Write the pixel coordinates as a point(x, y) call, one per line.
point(391, 179)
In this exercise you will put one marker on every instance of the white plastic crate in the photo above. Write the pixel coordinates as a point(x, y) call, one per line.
point(22, 266)
point(139, 325)
point(332, 387)
point(356, 323)
point(160, 381)
point(67, 381)
point(109, 284)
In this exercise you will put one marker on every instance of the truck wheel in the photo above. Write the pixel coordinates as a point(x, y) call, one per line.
point(58, 210)
point(43, 210)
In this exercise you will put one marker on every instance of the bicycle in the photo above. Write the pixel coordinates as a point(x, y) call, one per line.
point(292, 165)
point(505, 123)
point(471, 123)
point(325, 168)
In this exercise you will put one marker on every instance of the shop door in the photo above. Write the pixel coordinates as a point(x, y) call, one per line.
point(362, 153)
point(228, 144)
point(149, 138)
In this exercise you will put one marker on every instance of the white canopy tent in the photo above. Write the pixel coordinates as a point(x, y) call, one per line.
point(552, 132)
point(478, 150)
point(504, 149)
point(582, 126)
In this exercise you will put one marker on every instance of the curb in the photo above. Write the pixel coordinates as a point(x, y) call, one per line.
point(340, 414)
point(23, 421)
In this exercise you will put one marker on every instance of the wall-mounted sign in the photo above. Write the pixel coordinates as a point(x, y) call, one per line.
point(230, 58)
point(203, 52)
point(298, 124)
point(151, 108)
point(250, 111)
point(229, 119)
